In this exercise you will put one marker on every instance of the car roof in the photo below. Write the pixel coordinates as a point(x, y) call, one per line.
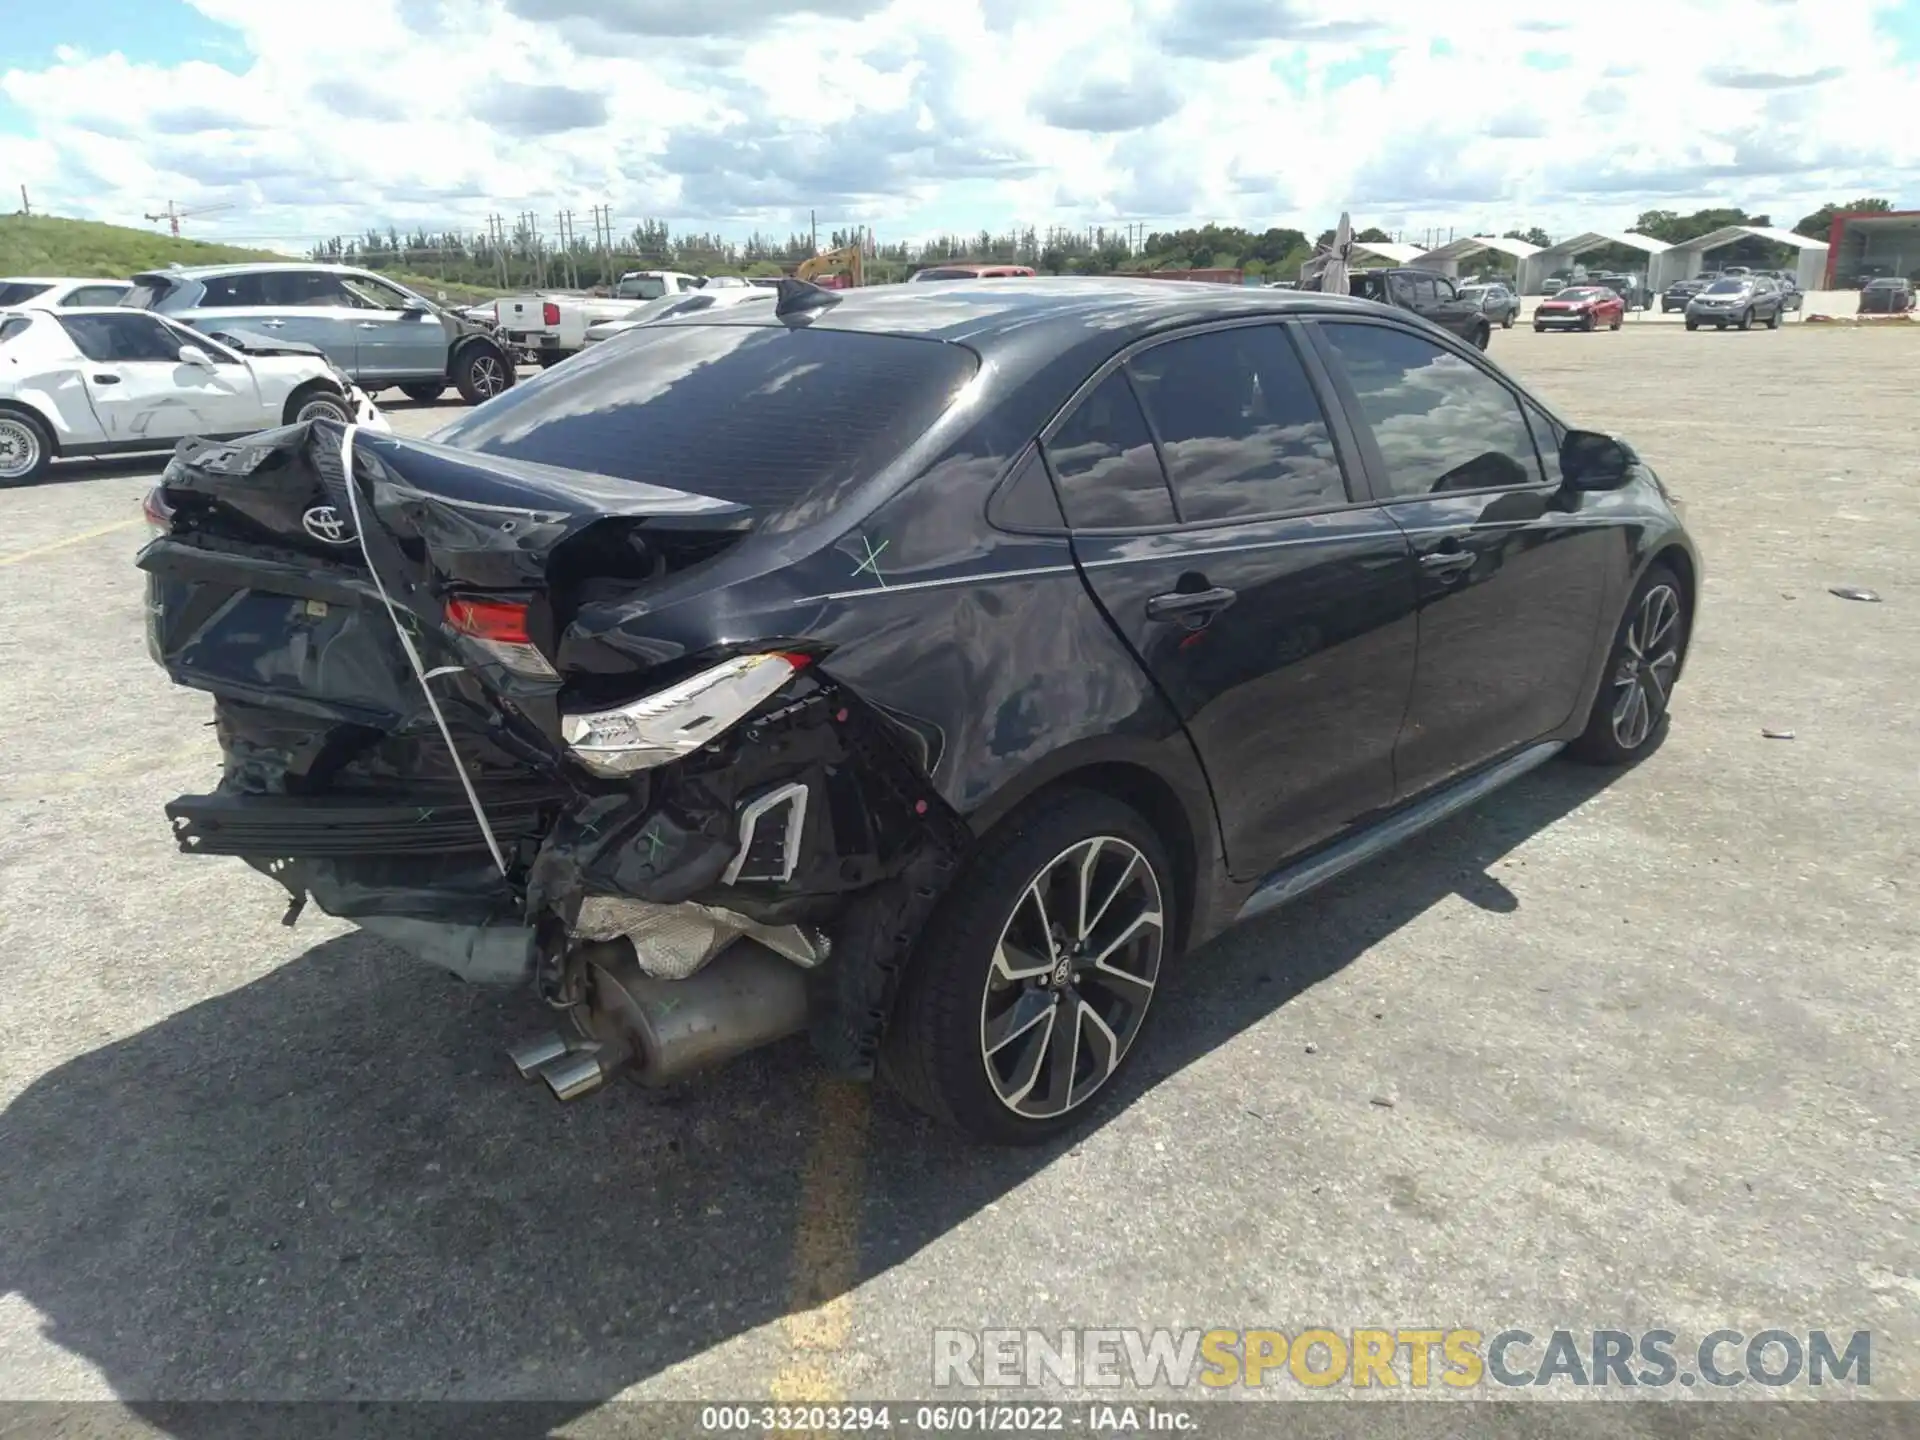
point(201, 272)
point(1020, 308)
point(61, 280)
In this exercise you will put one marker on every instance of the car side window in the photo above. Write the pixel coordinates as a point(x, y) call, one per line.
point(131, 338)
point(1400, 289)
point(1239, 427)
point(235, 290)
point(1443, 289)
point(370, 293)
point(1547, 436)
point(1440, 423)
point(94, 295)
point(1104, 463)
point(305, 287)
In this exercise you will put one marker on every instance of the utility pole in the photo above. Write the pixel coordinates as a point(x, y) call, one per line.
point(603, 240)
point(813, 230)
point(26, 205)
point(563, 224)
point(497, 236)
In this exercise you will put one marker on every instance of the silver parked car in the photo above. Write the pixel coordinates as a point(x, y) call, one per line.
point(1500, 305)
point(381, 334)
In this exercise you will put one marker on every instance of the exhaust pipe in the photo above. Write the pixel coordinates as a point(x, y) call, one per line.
point(745, 997)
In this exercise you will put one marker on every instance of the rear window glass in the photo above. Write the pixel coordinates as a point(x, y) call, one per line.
point(147, 292)
point(13, 325)
point(947, 274)
point(641, 287)
point(18, 292)
point(780, 419)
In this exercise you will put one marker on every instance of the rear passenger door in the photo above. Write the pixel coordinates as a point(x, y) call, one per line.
point(1512, 569)
point(1212, 520)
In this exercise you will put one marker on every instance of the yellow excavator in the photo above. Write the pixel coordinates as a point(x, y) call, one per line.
point(836, 270)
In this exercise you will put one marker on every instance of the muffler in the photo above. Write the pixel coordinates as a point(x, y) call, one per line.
point(663, 1030)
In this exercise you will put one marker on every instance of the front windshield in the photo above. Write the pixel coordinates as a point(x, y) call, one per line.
point(1581, 292)
point(1726, 287)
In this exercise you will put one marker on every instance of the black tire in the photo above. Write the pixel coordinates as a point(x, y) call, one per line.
point(548, 359)
point(1746, 319)
point(26, 449)
point(935, 1052)
point(1506, 321)
point(314, 400)
point(1693, 324)
point(1604, 741)
point(1481, 335)
point(1587, 323)
point(424, 392)
point(481, 372)
point(1539, 329)
point(1614, 326)
point(1773, 320)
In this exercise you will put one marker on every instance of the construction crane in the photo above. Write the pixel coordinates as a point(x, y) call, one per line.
point(173, 214)
point(835, 270)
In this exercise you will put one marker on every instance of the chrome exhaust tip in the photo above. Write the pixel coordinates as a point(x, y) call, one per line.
point(574, 1075)
point(530, 1055)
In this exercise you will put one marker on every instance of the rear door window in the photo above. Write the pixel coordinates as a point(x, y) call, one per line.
point(232, 290)
point(780, 419)
point(1104, 462)
point(1239, 426)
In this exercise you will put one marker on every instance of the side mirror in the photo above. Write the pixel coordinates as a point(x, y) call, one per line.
point(194, 355)
point(1592, 461)
point(414, 305)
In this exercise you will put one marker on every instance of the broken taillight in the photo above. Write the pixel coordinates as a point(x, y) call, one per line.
point(499, 627)
point(672, 723)
point(156, 511)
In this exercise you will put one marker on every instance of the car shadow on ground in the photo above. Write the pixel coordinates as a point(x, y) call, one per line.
point(330, 1184)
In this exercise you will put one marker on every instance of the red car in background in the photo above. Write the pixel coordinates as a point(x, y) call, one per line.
point(1580, 307)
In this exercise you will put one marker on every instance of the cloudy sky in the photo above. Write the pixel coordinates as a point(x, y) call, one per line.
point(919, 116)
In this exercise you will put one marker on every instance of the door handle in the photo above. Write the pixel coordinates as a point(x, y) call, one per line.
point(106, 379)
point(1445, 562)
point(369, 325)
point(272, 324)
point(1188, 604)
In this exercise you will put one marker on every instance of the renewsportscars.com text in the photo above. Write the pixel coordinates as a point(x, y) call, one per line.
point(1418, 1359)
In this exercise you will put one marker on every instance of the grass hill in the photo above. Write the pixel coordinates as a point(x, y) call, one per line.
point(48, 245)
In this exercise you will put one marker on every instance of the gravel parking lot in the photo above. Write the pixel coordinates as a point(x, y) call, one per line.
point(1633, 1054)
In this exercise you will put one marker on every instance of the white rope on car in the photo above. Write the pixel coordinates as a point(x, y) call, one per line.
point(413, 656)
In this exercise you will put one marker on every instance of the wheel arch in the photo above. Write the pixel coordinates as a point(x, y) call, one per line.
point(299, 393)
point(47, 427)
point(1184, 822)
point(466, 343)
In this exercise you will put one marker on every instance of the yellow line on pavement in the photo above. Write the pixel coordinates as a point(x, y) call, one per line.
point(81, 538)
point(826, 1245)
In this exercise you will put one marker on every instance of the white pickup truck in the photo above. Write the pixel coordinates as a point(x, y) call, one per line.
point(550, 327)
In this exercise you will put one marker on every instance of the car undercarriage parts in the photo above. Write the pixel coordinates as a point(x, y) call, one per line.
point(675, 941)
point(771, 828)
point(745, 997)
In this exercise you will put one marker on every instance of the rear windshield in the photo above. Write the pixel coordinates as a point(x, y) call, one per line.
point(18, 292)
point(147, 292)
point(775, 418)
point(642, 287)
point(947, 273)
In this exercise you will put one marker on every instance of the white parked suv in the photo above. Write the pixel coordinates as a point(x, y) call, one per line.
point(77, 383)
point(51, 292)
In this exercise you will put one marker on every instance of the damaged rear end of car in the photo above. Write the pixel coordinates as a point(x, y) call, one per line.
point(545, 725)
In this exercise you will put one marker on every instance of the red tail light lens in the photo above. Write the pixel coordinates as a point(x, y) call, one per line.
point(549, 314)
point(156, 510)
point(489, 620)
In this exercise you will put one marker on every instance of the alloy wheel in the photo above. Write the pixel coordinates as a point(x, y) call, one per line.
point(487, 376)
point(322, 408)
point(19, 449)
point(1649, 658)
point(1072, 975)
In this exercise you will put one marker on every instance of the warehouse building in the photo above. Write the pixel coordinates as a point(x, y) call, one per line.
point(1538, 266)
point(1690, 257)
point(1868, 243)
point(1448, 258)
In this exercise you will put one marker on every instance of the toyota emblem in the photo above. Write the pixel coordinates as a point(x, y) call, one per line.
point(324, 524)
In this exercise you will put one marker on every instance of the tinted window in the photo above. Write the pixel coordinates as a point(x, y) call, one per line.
point(124, 338)
point(1440, 423)
point(1239, 427)
point(95, 295)
point(780, 419)
point(370, 293)
point(640, 287)
point(1547, 437)
point(148, 292)
point(1104, 464)
point(235, 290)
point(307, 287)
point(18, 292)
point(14, 325)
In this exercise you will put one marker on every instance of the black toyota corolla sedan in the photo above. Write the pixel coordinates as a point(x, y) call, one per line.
point(921, 667)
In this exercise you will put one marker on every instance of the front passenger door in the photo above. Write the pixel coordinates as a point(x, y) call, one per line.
point(1213, 522)
point(1512, 568)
